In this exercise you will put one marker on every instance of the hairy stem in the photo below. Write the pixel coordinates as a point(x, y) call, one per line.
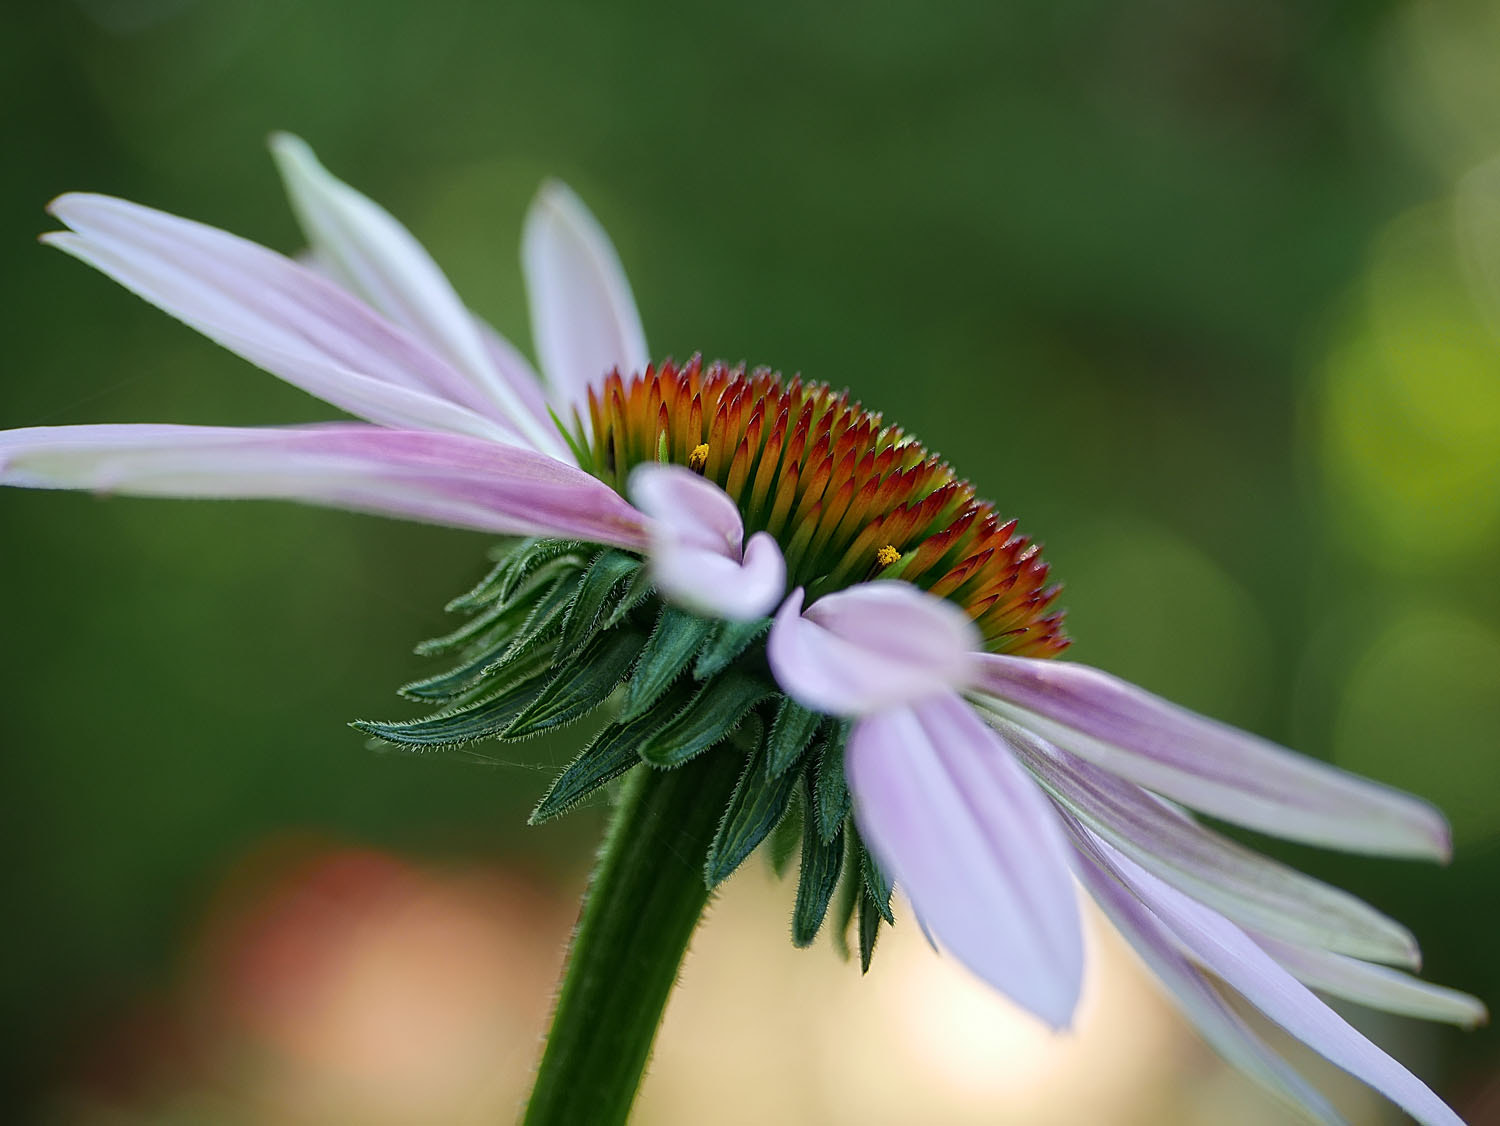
point(642, 905)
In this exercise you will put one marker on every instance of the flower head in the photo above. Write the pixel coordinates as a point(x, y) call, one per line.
point(757, 566)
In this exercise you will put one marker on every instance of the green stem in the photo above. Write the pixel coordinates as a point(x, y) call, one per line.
point(640, 910)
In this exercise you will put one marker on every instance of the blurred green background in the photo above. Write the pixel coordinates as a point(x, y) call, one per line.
point(1177, 284)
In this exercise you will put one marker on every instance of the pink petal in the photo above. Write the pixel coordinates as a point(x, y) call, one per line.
point(437, 478)
point(692, 509)
point(584, 321)
point(873, 646)
point(695, 556)
point(1230, 955)
point(1249, 888)
point(1198, 1000)
point(379, 260)
point(1209, 765)
point(1378, 987)
point(279, 315)
point(966, 833)
point(716, 586)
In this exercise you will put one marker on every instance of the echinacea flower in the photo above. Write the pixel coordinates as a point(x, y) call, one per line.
point(794, 584)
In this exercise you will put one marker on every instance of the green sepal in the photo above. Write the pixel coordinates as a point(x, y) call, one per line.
point(489, 715)
point(484, 652)
point(877, 883)
point(870, 918)
point(782, 845)
point(636, 591)
point(536, 554)
point(821, 863)
point(487, 590)
point(830, 791)
point(587, 611)
point(851, 888)
point(790, 735)
point(715, 711)
point(672, 646)
point(756, 808)
point(540, 627)
point(478, 629)
point(611, 753)
point(583, 684)
point(499, 615)
point(732, 639)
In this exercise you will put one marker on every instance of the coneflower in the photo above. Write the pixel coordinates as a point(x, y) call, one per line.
point(808, 630)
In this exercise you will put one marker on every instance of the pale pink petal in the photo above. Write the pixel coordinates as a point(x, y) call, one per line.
point(965, 832)
point(716, 586)
point(380, 261)
point(279, 315)
point(695, 556)
point(873, 646)
point(1206, 764)
point(1378, 987)
point(1198, 1000)
point(691, 508)
point(584, 321)
point(437, 478)
point(1251, 889)
point(1230, 955)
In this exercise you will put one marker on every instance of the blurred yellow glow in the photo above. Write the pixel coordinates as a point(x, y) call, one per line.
point(1441, 84)
point(1411, 413)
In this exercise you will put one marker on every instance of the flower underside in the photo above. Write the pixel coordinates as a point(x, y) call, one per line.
point(847, 497)
point(558, 627)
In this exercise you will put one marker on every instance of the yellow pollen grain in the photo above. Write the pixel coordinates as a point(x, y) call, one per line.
point(887, 555)
point(698, 458)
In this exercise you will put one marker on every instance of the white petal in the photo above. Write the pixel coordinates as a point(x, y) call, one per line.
point(275, 313)
point(1249, 888)
point(1378, 987)
point(962, 828)
point(1231, 956)
point(873, 646)
point(1209, 765)
point(584, 321)
point(1199, 1001)
point(382, 262)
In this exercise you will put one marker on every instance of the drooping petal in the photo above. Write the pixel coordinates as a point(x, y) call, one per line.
point(584, 321)
point(1230, 955)
point(873, 646)
point(1251, 889)
point(716, 586)
point(961, 827)
point(1209, 765)
point(437, 478)
point(1223, 1028)
point(695, 555)
point(692, 508)
point(380, 261)
point(1378, 987)
point(276, 313)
